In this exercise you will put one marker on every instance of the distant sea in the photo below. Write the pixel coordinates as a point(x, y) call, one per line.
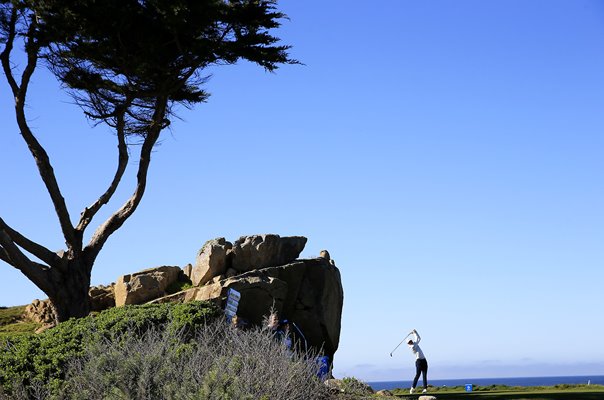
point(533, 381)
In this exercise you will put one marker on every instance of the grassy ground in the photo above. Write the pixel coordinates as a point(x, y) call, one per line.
point(10, 315)
point(11, 322)
point(559, 392)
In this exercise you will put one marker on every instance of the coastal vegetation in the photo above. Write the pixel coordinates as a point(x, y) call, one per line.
point(155, 351)
point(13, 324)
point(187, 351)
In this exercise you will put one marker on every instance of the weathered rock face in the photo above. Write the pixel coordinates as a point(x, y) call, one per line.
point(261, 251)
point(145, 285)
point(101, 297)
point(220, 257)
point(211, 261)
point(259, 293)
point(41, 312)
point(187, 271)
point(307, 292)
point(314, 301)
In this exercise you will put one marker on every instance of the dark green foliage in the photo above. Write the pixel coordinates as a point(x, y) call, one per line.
point(43, 357)
point(130, 52)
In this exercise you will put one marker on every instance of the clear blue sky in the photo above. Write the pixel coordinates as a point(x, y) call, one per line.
point(449, 155)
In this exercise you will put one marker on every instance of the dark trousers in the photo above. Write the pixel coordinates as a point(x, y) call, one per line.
point(421, 367)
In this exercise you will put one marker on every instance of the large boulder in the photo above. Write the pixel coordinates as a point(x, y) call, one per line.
point(187, 271)
point(211, 261)
point(314, 301)
point(268, 250)
point(41, 312)
point(145, 285)
point(307, 292)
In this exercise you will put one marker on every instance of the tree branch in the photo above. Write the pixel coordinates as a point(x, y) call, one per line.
point(37, 273)
point(34, 248)
point(113, 223)
point(4, 256)
point(40, 156)
point(90, 212)
point(8, 48)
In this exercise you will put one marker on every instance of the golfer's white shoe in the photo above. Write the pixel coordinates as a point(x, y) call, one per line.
point(425, 391)
point(411, 390)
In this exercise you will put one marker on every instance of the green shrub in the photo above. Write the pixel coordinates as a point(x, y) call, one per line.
point(44, 357)
point(141, 318)
point(220, 363)
point(156, 352)
point(354, 386)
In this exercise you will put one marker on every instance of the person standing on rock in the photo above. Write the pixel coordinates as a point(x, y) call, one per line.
point(421, 364)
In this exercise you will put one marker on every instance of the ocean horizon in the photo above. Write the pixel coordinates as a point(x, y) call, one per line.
point(520, 381)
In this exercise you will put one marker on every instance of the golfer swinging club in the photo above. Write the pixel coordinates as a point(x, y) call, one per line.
point(421, 365)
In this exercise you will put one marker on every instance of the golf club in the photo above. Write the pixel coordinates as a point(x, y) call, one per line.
point(400, 343)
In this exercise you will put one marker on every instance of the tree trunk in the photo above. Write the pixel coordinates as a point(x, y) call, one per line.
point(70, 291)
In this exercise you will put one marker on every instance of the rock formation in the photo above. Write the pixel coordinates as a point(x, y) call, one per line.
point(261, 251)
point(218, 257)
point(145, 285)
point(265, 269)
point(101, 297)
point(307, 292)
point(41, 312)
point(211, 261)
